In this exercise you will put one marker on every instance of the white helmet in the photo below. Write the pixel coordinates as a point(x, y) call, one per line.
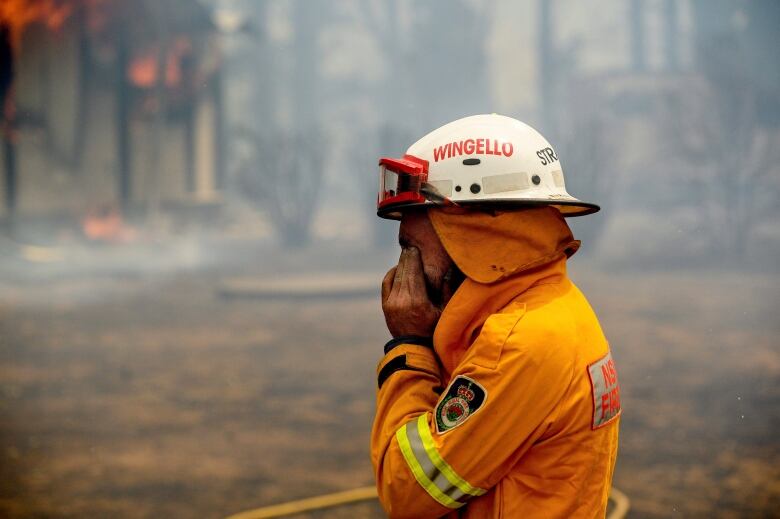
point(490, 161)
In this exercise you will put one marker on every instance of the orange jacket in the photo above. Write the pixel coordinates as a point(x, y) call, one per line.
point(515, 414)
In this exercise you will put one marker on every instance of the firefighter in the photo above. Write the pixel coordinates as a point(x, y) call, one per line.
point(498, 395)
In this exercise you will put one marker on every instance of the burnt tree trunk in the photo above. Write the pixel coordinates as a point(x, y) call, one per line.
point(637, 35)
point(189, 109)
point(547, 65)
point(7, 123)
point(671, 32)
point(219, 132)
point(84, 89)
point(122, 128)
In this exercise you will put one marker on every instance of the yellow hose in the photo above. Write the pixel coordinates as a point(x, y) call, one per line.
point(312, 503)
point(622, 504)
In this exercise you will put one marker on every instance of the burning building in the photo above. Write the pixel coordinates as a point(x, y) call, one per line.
point(122, 97)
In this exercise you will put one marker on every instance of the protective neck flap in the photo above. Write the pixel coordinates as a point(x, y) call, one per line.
point(489, 247)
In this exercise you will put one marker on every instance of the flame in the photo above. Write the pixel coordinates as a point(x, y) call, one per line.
point(143, 69)
point(104, 223)
point(18, 14)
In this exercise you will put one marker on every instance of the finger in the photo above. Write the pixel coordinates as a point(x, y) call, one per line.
point(400, 269)
point(414, 279)
point(387, 283)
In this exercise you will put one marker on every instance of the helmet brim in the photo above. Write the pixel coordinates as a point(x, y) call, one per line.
point(568, 208)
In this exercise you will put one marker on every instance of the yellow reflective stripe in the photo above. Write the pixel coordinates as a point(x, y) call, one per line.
point(419, 474)
point(439, 463)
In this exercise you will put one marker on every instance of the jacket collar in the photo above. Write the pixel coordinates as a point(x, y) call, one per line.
point(502, 256)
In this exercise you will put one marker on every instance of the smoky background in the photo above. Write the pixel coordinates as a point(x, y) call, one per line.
point(190, 257)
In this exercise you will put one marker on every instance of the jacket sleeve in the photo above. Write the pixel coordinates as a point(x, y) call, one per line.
point(434, 450)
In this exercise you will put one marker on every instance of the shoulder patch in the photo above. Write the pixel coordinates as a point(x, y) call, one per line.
point(462, 399)
point(606, 391)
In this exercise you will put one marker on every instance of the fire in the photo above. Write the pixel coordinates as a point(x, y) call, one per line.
point(104, 223)
point(17, 14)
point(143, 69)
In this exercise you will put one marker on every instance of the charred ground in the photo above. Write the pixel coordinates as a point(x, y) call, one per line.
point(123, 395)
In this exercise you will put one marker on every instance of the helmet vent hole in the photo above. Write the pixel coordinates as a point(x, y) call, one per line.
point(458, 188)
point(475, 188)
point(536, 179)
point(471, 162)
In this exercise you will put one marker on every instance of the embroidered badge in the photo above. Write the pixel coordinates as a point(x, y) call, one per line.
point(606, 391)
point(461, 400)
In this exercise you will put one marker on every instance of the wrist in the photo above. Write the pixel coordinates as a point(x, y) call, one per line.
point(408, 339)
